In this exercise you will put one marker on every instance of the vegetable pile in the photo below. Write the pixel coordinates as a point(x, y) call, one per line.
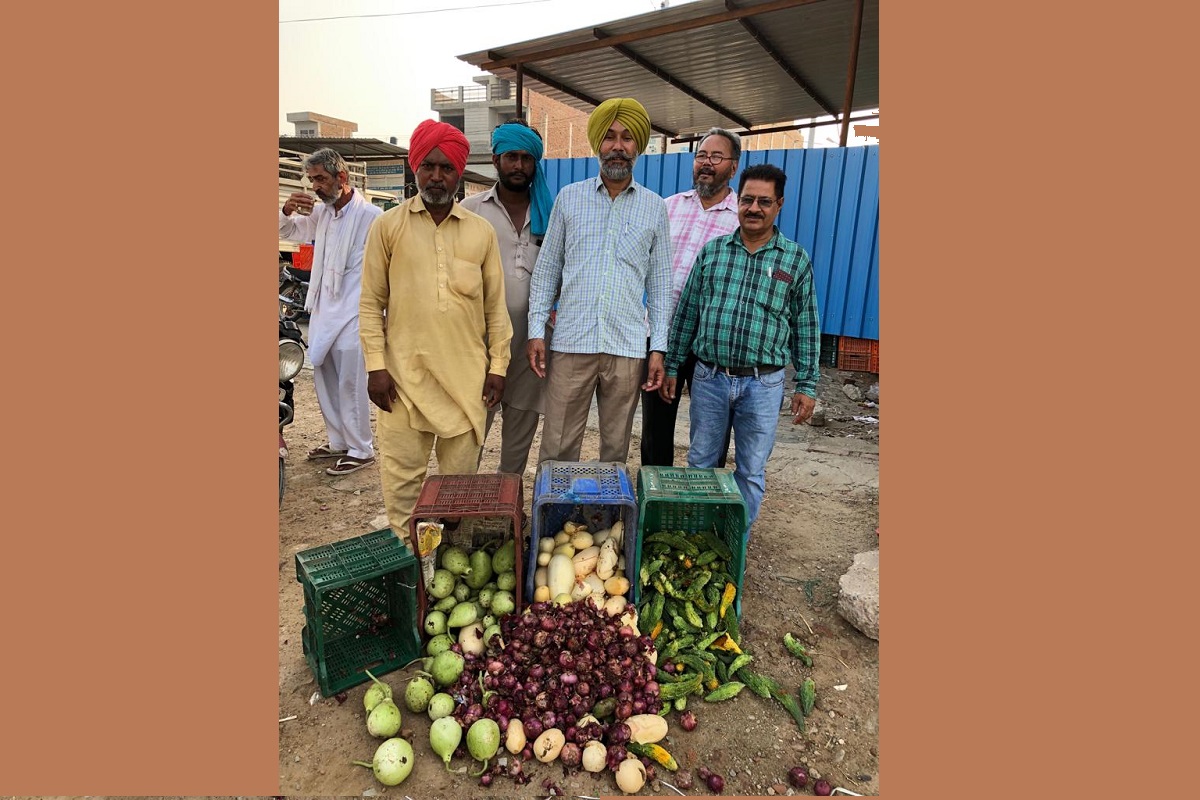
point(568, 683)
point(687, 606)
point(469, 593)
point(575, 564)
point(687, 596)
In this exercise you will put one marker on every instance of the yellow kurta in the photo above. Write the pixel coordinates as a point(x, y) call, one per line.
point(447, 323)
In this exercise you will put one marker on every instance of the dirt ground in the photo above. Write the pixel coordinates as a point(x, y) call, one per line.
point(821, 508)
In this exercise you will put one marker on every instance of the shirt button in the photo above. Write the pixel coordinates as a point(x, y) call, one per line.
point(439, 249)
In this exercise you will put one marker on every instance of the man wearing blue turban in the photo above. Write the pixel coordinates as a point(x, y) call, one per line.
point(518, 207)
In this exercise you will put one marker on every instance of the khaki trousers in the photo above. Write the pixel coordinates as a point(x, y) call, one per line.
point(571, 380)
point(404, 461)
point(517, 428)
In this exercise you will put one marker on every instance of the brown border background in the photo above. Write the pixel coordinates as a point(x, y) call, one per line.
point(139, 594)
point(139, 598)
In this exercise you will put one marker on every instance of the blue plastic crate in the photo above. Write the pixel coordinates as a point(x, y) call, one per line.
point(597, 493)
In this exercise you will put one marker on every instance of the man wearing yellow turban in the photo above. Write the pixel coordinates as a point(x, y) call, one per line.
point(606, 258)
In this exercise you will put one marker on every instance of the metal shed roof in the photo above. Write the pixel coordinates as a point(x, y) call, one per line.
point(732, 63)
point(348, 147)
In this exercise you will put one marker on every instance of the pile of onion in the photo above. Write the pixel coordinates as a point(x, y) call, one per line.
point(557, 663)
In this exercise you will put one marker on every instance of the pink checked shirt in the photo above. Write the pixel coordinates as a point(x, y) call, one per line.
point(692, 227)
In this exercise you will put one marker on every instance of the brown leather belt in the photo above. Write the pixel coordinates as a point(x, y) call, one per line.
point(742, 372)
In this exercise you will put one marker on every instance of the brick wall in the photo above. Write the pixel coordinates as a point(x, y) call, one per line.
point(563, 129)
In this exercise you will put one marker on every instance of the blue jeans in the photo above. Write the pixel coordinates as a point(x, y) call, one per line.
point(755, 402)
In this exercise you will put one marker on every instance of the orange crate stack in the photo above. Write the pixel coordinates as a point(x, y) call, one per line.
point(860, 355)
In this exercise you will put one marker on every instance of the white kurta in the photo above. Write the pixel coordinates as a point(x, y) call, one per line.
point(333, 296)
point(334, 348)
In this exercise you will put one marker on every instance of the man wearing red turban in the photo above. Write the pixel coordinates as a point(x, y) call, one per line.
point(434, 268)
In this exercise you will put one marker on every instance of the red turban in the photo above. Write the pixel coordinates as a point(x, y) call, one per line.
point(443, 135)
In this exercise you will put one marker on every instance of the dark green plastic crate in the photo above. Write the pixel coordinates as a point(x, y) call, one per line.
point(360, 609)
point(692, 499)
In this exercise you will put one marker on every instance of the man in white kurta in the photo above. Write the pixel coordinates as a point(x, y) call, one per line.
point(339, 224)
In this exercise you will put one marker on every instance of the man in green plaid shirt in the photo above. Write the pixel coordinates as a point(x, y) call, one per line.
point(747, 309)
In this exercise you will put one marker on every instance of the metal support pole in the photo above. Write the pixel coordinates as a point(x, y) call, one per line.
point(520, 92)
point(854, 40)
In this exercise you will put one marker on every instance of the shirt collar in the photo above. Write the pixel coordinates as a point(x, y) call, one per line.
point(598, 185)
point(730, 202)
point(418, 205)
point(735, 239)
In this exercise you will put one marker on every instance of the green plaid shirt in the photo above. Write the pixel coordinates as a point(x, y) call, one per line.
point(743, 309)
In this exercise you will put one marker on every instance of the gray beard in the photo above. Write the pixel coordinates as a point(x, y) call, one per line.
point(617, 172)
point(707, 190)
point(432, 196)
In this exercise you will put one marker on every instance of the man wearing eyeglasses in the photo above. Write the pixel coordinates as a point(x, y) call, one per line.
point(708, 210)
point(747, 308)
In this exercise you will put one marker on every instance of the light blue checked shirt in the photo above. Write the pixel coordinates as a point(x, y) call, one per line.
point(608, 263)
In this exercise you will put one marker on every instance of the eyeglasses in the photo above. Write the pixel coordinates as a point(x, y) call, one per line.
point(764, 203)
point(716, 159)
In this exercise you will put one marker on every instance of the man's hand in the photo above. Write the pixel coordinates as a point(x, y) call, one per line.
point(802, 407)
point(297, 199)
point(654, 372)
point(667, 390)
point(382, 389)
point(535, 349)
point(493, 389)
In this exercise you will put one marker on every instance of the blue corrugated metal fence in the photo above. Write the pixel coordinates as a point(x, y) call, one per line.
point(831, 207)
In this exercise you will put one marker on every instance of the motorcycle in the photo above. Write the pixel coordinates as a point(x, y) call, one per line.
point(291, 361)
point(293, 285)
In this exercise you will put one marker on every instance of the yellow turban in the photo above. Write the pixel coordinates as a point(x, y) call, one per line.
point(625, 110)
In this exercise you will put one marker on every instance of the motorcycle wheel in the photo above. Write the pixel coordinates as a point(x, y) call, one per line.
point(289, 312)
point(281, 483)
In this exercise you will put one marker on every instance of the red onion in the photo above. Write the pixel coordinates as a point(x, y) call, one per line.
point(650, 688)
point(639, 706)
point(822, 787)
point(683, 779)
point(687, 721)
point(715, 783)
point(568, 678)
point(627, 632)
point(570, 754)
point(549, 718)
point(485, 779)
point(583, 689)
point(533, 727)
point(618, 733)
point(565, 659)
point(703, 772)
point(798, 777)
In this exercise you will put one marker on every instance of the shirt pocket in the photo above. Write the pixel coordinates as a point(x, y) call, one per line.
point(633, 244)
point(774, 294)
point(466, 278)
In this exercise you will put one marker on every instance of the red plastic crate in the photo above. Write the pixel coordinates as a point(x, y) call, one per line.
point(303, 258)
point(489, 506)
point(860, 355)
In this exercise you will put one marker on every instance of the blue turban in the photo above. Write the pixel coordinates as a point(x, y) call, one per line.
point(512, 136)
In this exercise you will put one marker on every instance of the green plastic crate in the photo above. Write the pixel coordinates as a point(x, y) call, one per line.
point(360, 609)
point(692, 499)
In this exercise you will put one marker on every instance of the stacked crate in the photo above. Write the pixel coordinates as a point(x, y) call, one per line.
point(360, 606)
point(692, 500)
point(591, 492)
point(488, 509)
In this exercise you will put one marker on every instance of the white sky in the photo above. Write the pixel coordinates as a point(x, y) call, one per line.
point(377, 71)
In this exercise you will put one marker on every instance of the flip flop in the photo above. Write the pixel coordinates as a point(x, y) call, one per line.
point(325, 451)
point(349, 464)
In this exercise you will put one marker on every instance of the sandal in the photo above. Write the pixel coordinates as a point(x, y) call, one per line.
point(348, 464)
point(325, 451)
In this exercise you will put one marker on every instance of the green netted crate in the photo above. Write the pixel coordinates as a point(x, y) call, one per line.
point(692, 499)
point(360, 609)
